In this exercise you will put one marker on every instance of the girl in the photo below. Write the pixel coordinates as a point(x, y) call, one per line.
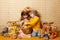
point(24, 19)
point(34, 22)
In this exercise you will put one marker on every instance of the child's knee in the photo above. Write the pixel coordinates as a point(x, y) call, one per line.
point(39, 33)
point(33, 34)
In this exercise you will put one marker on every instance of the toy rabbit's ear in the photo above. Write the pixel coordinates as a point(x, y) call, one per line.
point(51, 22)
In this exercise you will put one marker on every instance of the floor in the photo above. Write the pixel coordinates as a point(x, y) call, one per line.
point(33, 38)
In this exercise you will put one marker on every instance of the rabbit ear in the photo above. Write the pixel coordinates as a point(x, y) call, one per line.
point(51, 23)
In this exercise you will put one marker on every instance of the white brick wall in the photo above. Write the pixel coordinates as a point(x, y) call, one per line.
point(49, 9)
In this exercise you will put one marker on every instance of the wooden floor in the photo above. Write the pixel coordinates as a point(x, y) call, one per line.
point(32, 38)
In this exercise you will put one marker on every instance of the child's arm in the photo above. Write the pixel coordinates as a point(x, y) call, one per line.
point(32, 22)
point(21, 22)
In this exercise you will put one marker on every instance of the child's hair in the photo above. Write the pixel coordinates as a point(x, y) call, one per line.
point(25, 13)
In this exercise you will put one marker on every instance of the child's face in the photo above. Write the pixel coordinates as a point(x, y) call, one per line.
point(31, 14)
point(25, 16)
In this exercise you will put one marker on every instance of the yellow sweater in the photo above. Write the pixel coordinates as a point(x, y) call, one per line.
point(35, 23)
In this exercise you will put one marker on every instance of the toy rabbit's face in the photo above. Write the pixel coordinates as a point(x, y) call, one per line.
point(10, 23)
point(53, 26)
point(25, 16)
point(45, 25)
